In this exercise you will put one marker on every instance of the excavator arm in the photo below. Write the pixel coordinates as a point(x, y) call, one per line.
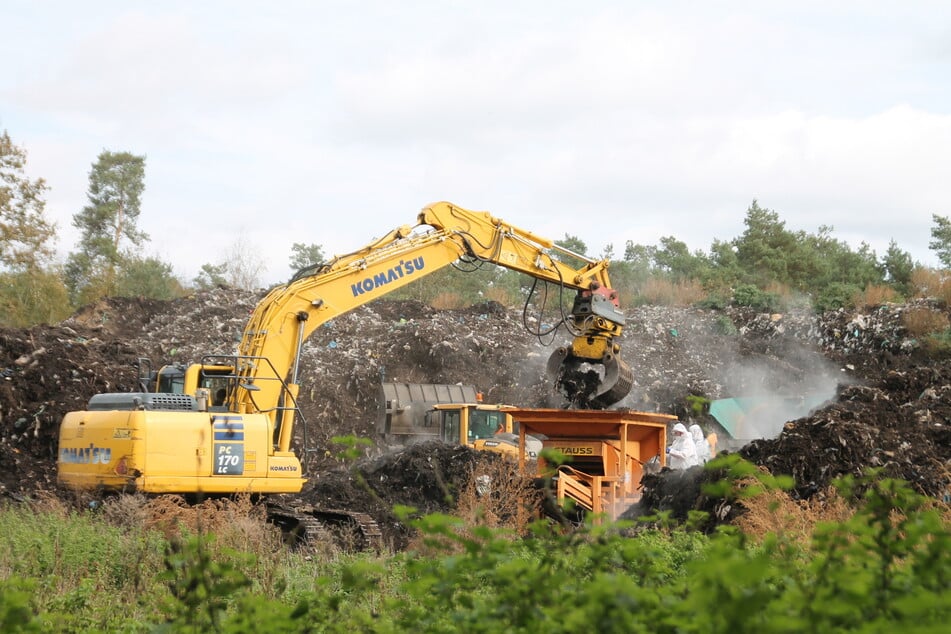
point(589, 372)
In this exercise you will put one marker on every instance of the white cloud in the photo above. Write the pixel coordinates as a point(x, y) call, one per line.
point(333, 123)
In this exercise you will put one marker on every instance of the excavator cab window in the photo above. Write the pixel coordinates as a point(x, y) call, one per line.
point(450, 427)
point(218, 380)
point(218, 388)
point(171, 380)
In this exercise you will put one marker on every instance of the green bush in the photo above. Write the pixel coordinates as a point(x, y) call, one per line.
point(713, 301)
point(17, 613)
point(748, 295)
point(697, 405)
point(86, 574)
point(836, 295)
point(723, 325)
point(887, 568)
point(938, 345)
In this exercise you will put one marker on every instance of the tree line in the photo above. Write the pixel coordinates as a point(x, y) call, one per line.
point(767, 267)
point(108, 259)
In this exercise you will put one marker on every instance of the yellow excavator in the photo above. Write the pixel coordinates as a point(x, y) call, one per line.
point(226, 424)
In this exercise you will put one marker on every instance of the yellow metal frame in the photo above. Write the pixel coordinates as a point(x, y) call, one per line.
point(610, 449)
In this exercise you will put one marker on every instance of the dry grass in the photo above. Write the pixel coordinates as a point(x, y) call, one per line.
point(127, 511)
point(922, 321)
point(495, 496)
point(236, 523)
point(447, 301)
point(774, 512)
point(500, 295)
point(48, 503)
point(662, 292)
point(931, 283)
point(875, 296)
point(787, 296)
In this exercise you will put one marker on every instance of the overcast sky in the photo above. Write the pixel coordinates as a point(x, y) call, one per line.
point(333, 122)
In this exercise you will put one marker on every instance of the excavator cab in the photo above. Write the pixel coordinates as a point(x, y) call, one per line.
point(170, 379)
point(181, 379)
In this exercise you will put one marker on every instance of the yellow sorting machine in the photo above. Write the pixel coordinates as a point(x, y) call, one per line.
point(606, 453)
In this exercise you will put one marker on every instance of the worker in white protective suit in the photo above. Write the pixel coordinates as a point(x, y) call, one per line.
point(700, 441)
point(682, 453)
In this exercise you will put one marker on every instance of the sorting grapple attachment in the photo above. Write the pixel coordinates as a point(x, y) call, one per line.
point(590, 383)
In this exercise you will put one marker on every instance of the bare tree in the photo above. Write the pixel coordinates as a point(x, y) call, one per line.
point(244, 265)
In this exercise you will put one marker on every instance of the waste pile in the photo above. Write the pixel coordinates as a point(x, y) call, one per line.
point(888, 402)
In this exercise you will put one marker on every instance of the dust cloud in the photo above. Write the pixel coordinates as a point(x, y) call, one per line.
point(765, 396)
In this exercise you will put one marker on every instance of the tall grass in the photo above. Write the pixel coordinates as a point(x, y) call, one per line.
point(113, 567)
point(931, 283)
point(81, 566)
point(447, 301)
point(875, 295)
point(879, 563)
point(923, 321)
point(663, 292)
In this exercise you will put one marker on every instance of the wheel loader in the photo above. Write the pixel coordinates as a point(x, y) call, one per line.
point(454, 414)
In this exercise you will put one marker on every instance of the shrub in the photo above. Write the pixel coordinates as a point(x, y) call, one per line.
point(836, 295)
point(879, 564)
point(748, 295)
point(922, 321)
point(17, 613)
point(498, 496)
point(875, 296)
point(938, 345)
point(785, 296)
point(697, 405)
point(931, 284)
point(723, 325)
point(713, 301)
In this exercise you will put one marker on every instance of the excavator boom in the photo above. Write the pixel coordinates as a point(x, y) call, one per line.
point(589, 372)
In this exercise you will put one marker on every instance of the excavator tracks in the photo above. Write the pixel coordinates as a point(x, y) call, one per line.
point(351, 526)
point(304, 526)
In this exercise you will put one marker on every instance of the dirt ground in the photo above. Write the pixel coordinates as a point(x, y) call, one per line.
point(888, 403)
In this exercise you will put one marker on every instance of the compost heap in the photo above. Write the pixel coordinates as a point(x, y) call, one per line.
point(888, 402)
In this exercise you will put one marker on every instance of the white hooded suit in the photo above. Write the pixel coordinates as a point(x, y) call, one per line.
point(682, 453)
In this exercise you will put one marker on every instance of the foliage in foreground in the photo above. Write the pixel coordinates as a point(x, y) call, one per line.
point(883, 568)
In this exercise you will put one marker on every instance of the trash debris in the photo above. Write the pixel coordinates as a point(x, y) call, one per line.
point(890, 405)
